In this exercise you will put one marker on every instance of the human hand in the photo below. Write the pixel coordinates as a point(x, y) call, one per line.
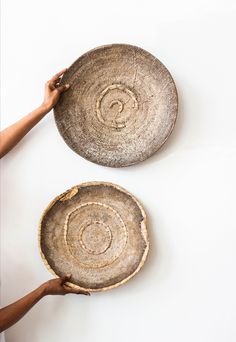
point(58, 286)
point(53, 91)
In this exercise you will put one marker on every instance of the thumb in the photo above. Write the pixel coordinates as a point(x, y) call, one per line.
point(63, 88)
point(75, 291)
point(65, 278)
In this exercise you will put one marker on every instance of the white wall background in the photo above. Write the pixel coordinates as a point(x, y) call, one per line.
point(187, 289)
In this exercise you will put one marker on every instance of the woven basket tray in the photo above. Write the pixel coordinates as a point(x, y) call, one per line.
point(96, 232)
point(121, 106)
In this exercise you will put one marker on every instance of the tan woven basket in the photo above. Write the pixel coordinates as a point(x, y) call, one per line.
point(120, 108)
point(97, 232)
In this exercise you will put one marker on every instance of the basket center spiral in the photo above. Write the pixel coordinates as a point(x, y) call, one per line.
point(94, 234)
point(116, 105)
point(95, 237)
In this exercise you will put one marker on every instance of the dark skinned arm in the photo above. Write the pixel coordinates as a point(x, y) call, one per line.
point(15, 311)
point(10, 136)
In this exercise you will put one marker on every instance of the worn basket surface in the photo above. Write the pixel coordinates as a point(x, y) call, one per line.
point(121, 106)
point(96, 232)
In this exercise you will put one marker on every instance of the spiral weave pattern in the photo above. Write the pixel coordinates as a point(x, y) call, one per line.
point(121, 106)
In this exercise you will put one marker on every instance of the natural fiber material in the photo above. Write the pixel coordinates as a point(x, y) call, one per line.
point(96, 232)
point(121, 106)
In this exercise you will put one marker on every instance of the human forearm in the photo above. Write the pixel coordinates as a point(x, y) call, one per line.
point(13, 134)
point(15, 311)
point(10, 136)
